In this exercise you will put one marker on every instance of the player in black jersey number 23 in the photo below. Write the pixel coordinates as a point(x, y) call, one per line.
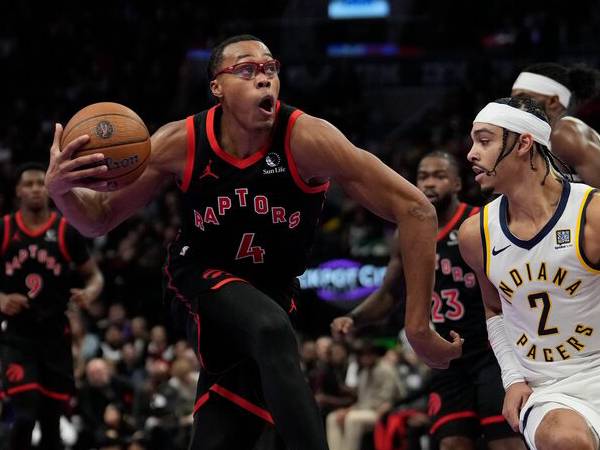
point(465, 402)
point(41, 256)
point(253, 174)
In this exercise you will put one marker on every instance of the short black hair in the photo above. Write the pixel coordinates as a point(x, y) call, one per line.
point(444, 155)
point(581, 80)
point(31, 165)
point(216, 57)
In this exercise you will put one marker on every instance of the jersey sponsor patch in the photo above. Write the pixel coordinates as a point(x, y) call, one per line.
point(563, 237)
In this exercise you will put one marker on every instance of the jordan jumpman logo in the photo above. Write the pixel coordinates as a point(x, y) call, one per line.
point(208, 171)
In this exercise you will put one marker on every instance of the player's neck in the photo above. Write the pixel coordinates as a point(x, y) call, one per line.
point(445, 215)
point(531, 202)
point(35, 219)
point(239, 141)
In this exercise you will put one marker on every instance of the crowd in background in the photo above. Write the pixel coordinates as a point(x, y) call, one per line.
point(135, 374)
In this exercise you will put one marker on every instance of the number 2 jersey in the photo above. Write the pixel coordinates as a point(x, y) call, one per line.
point(37, 264)
point(456, 303)
point(549, 291)
point(255, 217)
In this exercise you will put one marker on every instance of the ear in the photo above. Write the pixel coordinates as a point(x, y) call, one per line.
point(524, 145)
point(458, 184)
point(554, 103)
point(216, 89)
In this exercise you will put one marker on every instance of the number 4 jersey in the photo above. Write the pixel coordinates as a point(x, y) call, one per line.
point(253, 218)
point(548, 289)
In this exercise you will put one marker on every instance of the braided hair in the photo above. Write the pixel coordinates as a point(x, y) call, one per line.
point(550, 159)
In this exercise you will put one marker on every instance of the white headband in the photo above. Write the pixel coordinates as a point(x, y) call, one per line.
point(543, 85)
point(516, 120)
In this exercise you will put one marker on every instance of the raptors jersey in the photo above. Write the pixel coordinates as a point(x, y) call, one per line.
point(36, 264)
point(253, 217)
point(456, 303)
point(548, 289)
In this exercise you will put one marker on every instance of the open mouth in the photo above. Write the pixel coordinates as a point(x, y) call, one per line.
point(267, 104)
point(478, 170)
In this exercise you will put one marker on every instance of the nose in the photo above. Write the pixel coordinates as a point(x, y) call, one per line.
point(472, 155)
point(262, 81)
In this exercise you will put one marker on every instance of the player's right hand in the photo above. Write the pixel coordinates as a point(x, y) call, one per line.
point(12, 304)
point(64, 173)
point(514, 400)
point(342, 326)
point(434, 350)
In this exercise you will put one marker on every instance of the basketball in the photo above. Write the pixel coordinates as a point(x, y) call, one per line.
point(118, 133)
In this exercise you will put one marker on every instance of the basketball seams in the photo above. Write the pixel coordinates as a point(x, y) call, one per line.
point(87, 119)
point(93, 150)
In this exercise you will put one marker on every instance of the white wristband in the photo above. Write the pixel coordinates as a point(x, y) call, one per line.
point(509, 365)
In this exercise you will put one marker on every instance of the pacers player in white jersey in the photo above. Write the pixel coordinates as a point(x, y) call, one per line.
point(560, 89)
point(536, 255)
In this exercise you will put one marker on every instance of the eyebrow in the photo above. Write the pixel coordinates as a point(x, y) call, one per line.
point(246, 55)
point(482, 130)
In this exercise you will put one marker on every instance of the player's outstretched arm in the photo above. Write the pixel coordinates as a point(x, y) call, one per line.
point(575, 144)
point(83, 202)
point(380, 303)
point(322, 152)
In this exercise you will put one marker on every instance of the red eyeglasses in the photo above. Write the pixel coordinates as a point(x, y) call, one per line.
point(248, 70)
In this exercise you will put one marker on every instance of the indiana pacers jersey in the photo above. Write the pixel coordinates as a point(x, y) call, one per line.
point(548, 289)
point(254, 218)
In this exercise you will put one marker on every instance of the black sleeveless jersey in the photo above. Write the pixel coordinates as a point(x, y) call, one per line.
point(253, 217)
point(457, 303)
point(37, 264)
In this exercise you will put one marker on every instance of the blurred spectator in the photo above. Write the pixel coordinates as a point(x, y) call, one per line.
point(100, 389)
point(158, 347)
point(379, 387)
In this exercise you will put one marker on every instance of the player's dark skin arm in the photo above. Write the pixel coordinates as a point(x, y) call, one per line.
point(93, 284)
point(95, 213)
point(577, 145)
point(321, 152)
point(380, 303)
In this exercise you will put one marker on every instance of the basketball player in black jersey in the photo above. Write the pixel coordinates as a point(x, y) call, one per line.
point(41, 256)
point(560, 89)
point(465, 401)
point(253, 174)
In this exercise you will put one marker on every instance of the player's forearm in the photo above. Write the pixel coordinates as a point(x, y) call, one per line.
point(94, 284)
point(509, 365)
point(375, 308)
point(417, 242)
point(84, 209)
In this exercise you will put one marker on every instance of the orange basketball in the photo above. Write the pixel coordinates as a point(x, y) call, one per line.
point(118, 133)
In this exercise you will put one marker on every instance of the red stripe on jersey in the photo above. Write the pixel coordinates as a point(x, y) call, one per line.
point(36, 387)
point(222, 283)
point(38, 231)
point(292, 163)
point(6, 237)
point(474, 211)
point(240, 163)
point(201, 401)
point(62, 243)
point(191, 154)
point(243, 403)
point(451, 417)
point(452, 222)
point(492, 420)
